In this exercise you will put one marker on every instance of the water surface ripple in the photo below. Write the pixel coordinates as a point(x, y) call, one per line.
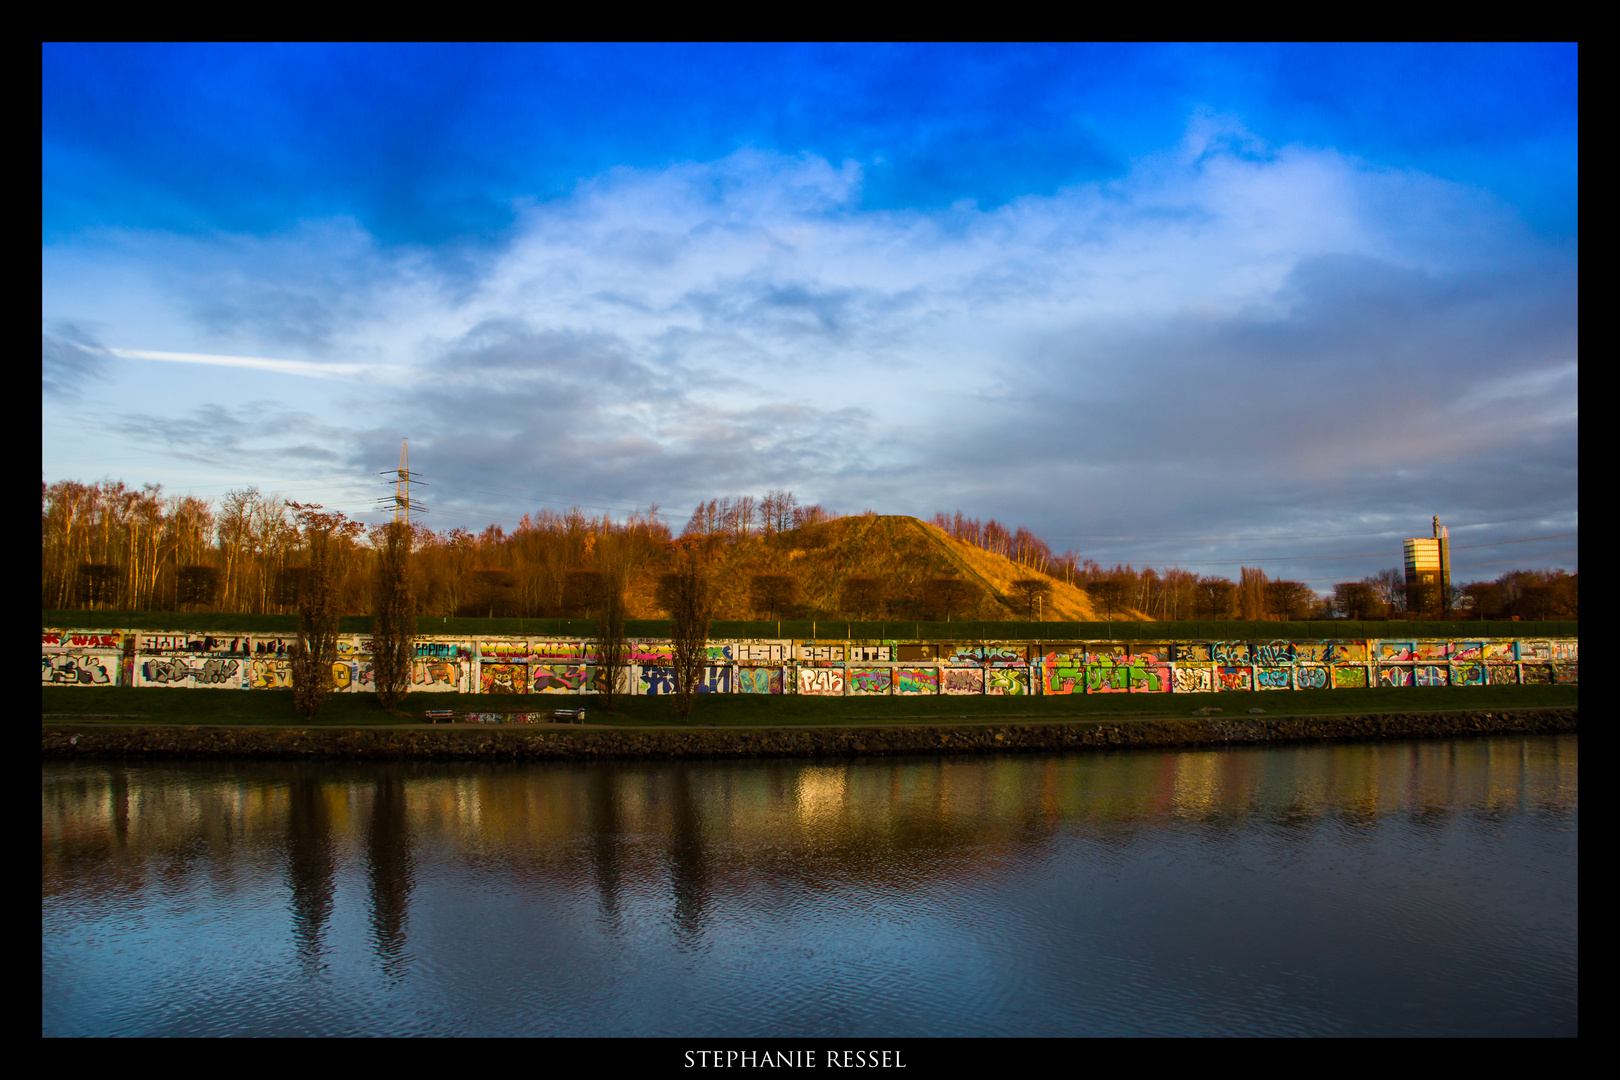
point(1370, 889)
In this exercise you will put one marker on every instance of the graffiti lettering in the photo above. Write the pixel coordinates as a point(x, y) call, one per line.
point(1194, 680)
point(759, 680)
point(1007, 682)
point(870, 680)
point(75, 669)
point(1310, 678)
point(963, 681)
point(1272, 678)
point(821, 681)
point(916, 680)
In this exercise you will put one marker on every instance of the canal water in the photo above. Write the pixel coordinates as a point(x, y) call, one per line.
point(1360, 889)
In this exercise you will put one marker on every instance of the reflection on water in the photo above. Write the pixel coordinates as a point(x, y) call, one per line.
point(1407, 888)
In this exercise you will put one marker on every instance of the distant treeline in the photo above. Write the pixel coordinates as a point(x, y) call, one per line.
point(108, 546)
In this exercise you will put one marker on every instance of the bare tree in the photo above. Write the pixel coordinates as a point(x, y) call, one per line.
point(1111, 592)
point(612, 650)
point(952, 596)
point(489, 589)
point(584, 592)
point(1216, 596)
point(1029, 591)
point(195, 585)
point(862, 596)
point(99, 583)
point(312, 658)
point(1357, 600)
point(686, 593)
point(393, 625)
point(1290, 600)
point(1390, 587)
point(774, 594)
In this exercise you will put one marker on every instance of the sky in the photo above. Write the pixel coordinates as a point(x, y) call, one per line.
point(1207, 307)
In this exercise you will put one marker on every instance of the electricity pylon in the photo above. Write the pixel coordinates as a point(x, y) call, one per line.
point(401, 500)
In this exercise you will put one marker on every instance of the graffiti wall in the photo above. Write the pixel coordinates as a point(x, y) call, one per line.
point(527, 665)
point(1194, 679)
point(915, 680)
point(821, 680)
point(81, 658)
point(1006, 681)
point(867, 681)
point(759, 680)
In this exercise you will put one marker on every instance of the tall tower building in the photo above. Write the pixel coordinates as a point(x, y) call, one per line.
point(1428, 563)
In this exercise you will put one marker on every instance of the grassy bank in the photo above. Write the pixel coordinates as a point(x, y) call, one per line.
point(156, 706)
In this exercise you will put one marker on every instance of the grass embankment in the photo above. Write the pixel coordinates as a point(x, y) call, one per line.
point(260, 707)
point(836, 630)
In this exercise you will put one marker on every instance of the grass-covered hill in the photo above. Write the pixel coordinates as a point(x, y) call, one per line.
point(903, 553)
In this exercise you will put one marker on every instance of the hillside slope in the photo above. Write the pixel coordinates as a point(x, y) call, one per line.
point(905, 553)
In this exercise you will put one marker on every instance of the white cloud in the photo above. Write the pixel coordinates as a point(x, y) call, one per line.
point(1252, 324)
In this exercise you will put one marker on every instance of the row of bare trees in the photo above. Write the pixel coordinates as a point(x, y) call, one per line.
point(742, 516)
point(1019, 545)
point(1518, 594)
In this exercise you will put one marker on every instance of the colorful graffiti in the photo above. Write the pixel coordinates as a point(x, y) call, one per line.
point(870, 680)
point(1536, 675)
point(269, 673)
point(1062, 675)
point(1274, 653)
point(1350, 676)
point(79, 639)
point(503, 678)
point(1198, 679)
point(962, 681)
point(821, 681)
point(1502, 674)
point(1395, 675)
point(1146, 677)
point(1310, 677)
point(653, 653)
point(759, 680)
point(1273, 678)
point(1430, 675)
point(509, 665)
point(916, 680)
point(1395, 651)
point(559, 679)
point(1007, 682)
point(436, 676)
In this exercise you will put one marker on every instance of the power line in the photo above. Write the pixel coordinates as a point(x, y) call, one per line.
point(1145, 537)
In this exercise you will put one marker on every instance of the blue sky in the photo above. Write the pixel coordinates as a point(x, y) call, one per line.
point(1134, 297)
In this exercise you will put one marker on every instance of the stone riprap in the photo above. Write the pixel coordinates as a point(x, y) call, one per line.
point(529, 743)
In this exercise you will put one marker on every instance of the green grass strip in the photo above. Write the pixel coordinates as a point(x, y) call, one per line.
point(160, 706)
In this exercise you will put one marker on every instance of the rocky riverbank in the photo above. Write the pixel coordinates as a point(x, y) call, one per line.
point(552, 744)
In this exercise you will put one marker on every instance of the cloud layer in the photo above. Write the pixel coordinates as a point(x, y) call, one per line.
point(1228, 338)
